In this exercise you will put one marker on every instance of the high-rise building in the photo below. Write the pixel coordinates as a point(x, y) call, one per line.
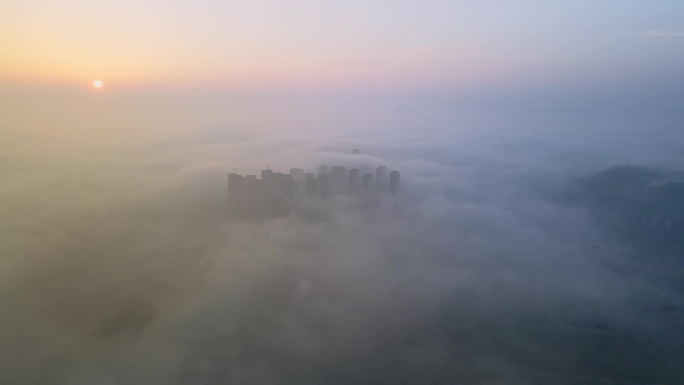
point(259, 198)
point(272, 193)
point(296, 172)
point(236, 190)
point(367, 183)
point(381, 179)
point(250, 197)
point(354, 181)
point(289, 188)
point(297, 175)
point(394, 181)
point(266, 175)
point(279, 184)
point(339, 177)
point(324, 185)
point(278, 193)
point(310, 184)
point(234, 185)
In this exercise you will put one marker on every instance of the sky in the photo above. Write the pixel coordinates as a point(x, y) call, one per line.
point(340, 44)
point(171, 65)
point(122, 263)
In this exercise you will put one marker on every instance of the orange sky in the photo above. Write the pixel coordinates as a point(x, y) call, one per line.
point(305, 42)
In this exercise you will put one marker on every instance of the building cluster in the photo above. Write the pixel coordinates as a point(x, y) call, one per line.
point(278, 193)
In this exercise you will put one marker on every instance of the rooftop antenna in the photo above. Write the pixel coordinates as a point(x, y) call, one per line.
point(235, 169)
point(268, 167)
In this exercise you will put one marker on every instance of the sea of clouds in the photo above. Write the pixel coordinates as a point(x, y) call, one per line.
point(122, 263)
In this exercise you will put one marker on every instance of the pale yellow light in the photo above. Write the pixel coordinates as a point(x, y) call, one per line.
point(97, 83)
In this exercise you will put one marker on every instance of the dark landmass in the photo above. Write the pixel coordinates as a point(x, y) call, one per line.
point(643, 207)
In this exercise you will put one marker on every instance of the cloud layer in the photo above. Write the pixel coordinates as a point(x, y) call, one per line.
point(123, 265)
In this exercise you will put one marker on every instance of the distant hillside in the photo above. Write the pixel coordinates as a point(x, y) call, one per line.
point(640, 204)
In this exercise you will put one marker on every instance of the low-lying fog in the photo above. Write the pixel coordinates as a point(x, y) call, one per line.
point(122, 264)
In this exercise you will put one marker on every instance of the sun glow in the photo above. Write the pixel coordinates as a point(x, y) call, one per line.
point(97, 83)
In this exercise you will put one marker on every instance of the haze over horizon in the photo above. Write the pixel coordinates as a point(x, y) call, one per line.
point(535, 239)
point(340, 44)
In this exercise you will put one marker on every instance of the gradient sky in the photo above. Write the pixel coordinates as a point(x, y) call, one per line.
point(353, 42)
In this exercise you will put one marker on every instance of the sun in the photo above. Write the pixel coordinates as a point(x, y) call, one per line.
point(97, 83)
